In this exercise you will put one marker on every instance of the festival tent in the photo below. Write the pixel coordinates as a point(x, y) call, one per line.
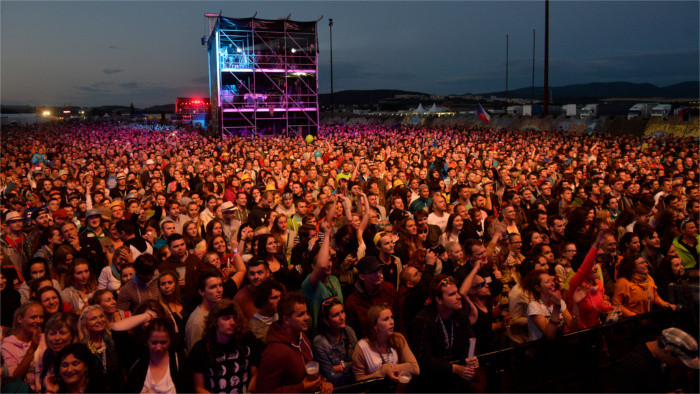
point(419, 110)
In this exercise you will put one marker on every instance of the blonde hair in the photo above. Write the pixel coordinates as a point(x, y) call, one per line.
point(82, 330)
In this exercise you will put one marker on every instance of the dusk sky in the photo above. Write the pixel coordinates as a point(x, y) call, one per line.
point(149, 52)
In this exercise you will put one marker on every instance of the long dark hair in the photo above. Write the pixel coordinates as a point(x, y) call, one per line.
point(223, 308)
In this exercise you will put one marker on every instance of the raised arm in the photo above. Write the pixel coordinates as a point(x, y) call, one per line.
point(323, 258)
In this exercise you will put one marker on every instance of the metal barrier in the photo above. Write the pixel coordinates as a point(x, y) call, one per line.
point(581, 361)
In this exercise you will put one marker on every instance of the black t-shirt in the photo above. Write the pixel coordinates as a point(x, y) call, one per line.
point(226, 368)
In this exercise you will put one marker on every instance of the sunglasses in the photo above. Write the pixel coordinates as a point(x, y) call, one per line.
point(446, 282)
point(330, 302)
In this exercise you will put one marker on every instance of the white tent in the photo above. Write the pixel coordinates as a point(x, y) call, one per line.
point(433, 109)
point(419, 110)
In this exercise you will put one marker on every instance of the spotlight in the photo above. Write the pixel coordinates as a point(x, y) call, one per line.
point(239, 50)
point(294, 50)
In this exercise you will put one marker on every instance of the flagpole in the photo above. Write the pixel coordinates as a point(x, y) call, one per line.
point(532, 101)
point(545, 110)
point(506, 73)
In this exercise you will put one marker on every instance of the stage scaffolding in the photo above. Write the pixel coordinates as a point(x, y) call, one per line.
point(263, 76)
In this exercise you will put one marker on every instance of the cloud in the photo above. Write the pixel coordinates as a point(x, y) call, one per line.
point(109, 71)
point(97, 87)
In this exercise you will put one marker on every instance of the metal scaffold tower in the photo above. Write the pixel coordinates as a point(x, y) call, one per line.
point(263, 76)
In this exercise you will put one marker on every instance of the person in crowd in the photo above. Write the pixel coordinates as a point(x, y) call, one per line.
point(673, 283)
point(87, 248)
point(25, 338)
point(586, 280)
point(34, 269)
point(61, 331)
point(108, 301)
point(233, 271)
point(187, 265)
point(80, 284)
point(391, 264)
point(563, 266)
point(142, 286)
point(320, 284)
point(62, 258)
point(163, 369)
point(94, 331)
point(635, 290)
point(477, 295)
point(687, 245)
point(9, 298)
point(283, 362)
point(226, 359)
point(648, 366)
point(110, 277)
point(382, 352)
point(266, 298)
point(169, 290)
point(547, 312)
point(370, 289)
point(334, 345)
point(211, 291)
point(441, 333)
point(74, 372)
point(50, 299)
point(51, 239)
point(257, 271)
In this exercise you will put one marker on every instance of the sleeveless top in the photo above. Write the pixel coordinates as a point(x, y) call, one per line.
point(165, 385)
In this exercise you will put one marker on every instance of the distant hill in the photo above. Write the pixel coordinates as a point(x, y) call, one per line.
point(689, 89)
point(166, 108)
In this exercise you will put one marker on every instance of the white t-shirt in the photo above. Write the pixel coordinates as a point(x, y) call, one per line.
point(439, 221)
point(537, 307)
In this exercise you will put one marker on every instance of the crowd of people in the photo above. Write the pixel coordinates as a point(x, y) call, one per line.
point(142, 260)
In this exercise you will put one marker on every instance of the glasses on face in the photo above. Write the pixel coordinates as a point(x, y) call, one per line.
point(570, 251)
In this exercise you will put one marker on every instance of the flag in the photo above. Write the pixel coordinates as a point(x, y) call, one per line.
point(482, 114)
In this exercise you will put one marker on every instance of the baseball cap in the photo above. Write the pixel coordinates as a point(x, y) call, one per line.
point(423, 186)
point(39, 211)
point(368, 264)
point(682, 345)
point(60, 214)
point(398, 182)
point(185, 200)
point(121, 176)
point(13, 216)
point(150, 162)
point(93, 212)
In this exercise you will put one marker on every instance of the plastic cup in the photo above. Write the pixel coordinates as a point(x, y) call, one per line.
point(312, 369)
point(404, 379)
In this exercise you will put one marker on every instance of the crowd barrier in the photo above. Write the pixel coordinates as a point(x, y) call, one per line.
point(581, 361)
